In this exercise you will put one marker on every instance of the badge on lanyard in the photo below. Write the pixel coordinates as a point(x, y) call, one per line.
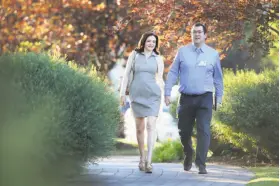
point(202, 63)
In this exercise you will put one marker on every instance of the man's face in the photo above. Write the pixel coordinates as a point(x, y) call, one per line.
point(198, 35)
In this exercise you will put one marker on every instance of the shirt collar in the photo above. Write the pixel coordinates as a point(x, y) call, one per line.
point(202, 48)
point(154, 54)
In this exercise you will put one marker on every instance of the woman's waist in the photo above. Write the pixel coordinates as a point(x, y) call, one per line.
point(145, 75)
point(143, 83)
point(144, 80)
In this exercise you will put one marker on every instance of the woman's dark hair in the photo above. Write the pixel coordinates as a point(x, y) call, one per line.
point(141, 43)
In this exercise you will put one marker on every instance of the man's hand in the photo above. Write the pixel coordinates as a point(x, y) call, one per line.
point(167, 100)
point(122, 101)
point(218, 106)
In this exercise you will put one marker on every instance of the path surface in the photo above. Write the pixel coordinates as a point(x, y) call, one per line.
point(123, 171)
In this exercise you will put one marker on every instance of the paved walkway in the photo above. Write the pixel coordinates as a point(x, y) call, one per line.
point(123, 171)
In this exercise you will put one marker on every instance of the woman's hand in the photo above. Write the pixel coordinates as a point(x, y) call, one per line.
point(122, 100)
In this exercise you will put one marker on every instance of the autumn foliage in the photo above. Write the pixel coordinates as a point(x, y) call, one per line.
point(99, 32)
point(81, 30)
point(225, 19)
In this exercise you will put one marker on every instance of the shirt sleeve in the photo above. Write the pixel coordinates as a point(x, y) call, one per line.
point(172, 75)
point(218, 80)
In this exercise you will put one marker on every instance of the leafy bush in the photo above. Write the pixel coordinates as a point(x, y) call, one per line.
point(173, 107)
point(169, 151)
point(248, 119)
point(249, 116)
point(53, 118)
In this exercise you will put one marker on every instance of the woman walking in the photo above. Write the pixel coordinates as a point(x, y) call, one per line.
point(144, 69)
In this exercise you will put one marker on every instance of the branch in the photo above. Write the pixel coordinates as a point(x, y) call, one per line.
point(171, 12)
point(272, 14)
point(273, 29)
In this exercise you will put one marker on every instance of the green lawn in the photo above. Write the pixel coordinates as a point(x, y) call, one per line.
point(265, 176)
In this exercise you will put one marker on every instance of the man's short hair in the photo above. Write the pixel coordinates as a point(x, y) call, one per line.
point(203, 26)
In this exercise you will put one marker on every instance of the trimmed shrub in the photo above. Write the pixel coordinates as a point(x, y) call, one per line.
point(168, 151)
point(248, 119)
point(173, 107)
point(249, 116)
point(172, 151)
point(53, 118)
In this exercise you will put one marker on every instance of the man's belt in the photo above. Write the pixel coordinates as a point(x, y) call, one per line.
point(195, 95)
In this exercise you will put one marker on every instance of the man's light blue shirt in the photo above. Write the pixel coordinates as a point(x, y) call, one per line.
point(199, 70)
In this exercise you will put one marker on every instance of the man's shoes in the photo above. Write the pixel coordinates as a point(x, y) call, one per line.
point(187, 164)
point(201, 169)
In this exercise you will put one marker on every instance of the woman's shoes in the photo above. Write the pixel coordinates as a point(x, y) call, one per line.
point(148, 167)
point(145, 166)
point(141, 165)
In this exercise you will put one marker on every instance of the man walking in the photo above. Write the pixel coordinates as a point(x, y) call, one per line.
point(198, 67)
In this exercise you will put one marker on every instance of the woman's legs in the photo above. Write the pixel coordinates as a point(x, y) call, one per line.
point(140, 127)
point(151, 132)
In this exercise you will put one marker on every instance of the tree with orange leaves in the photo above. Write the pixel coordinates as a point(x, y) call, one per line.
point(100, 31)
point(88, 31)
point(225, 19)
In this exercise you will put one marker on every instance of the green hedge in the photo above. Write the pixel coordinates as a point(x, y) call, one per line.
point(53, 118)
point(173, 107)
point(168, 151)
point(172, 151)
point(248, 119)
point(249, 116)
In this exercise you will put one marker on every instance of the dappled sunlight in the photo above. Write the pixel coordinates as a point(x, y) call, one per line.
point(265, 176)
point(266, 181)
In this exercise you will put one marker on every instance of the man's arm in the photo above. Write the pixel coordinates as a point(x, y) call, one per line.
point(218, 80)
point(172, 75)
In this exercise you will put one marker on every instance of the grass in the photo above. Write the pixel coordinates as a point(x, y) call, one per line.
point(265, 176)
point(127, 148)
